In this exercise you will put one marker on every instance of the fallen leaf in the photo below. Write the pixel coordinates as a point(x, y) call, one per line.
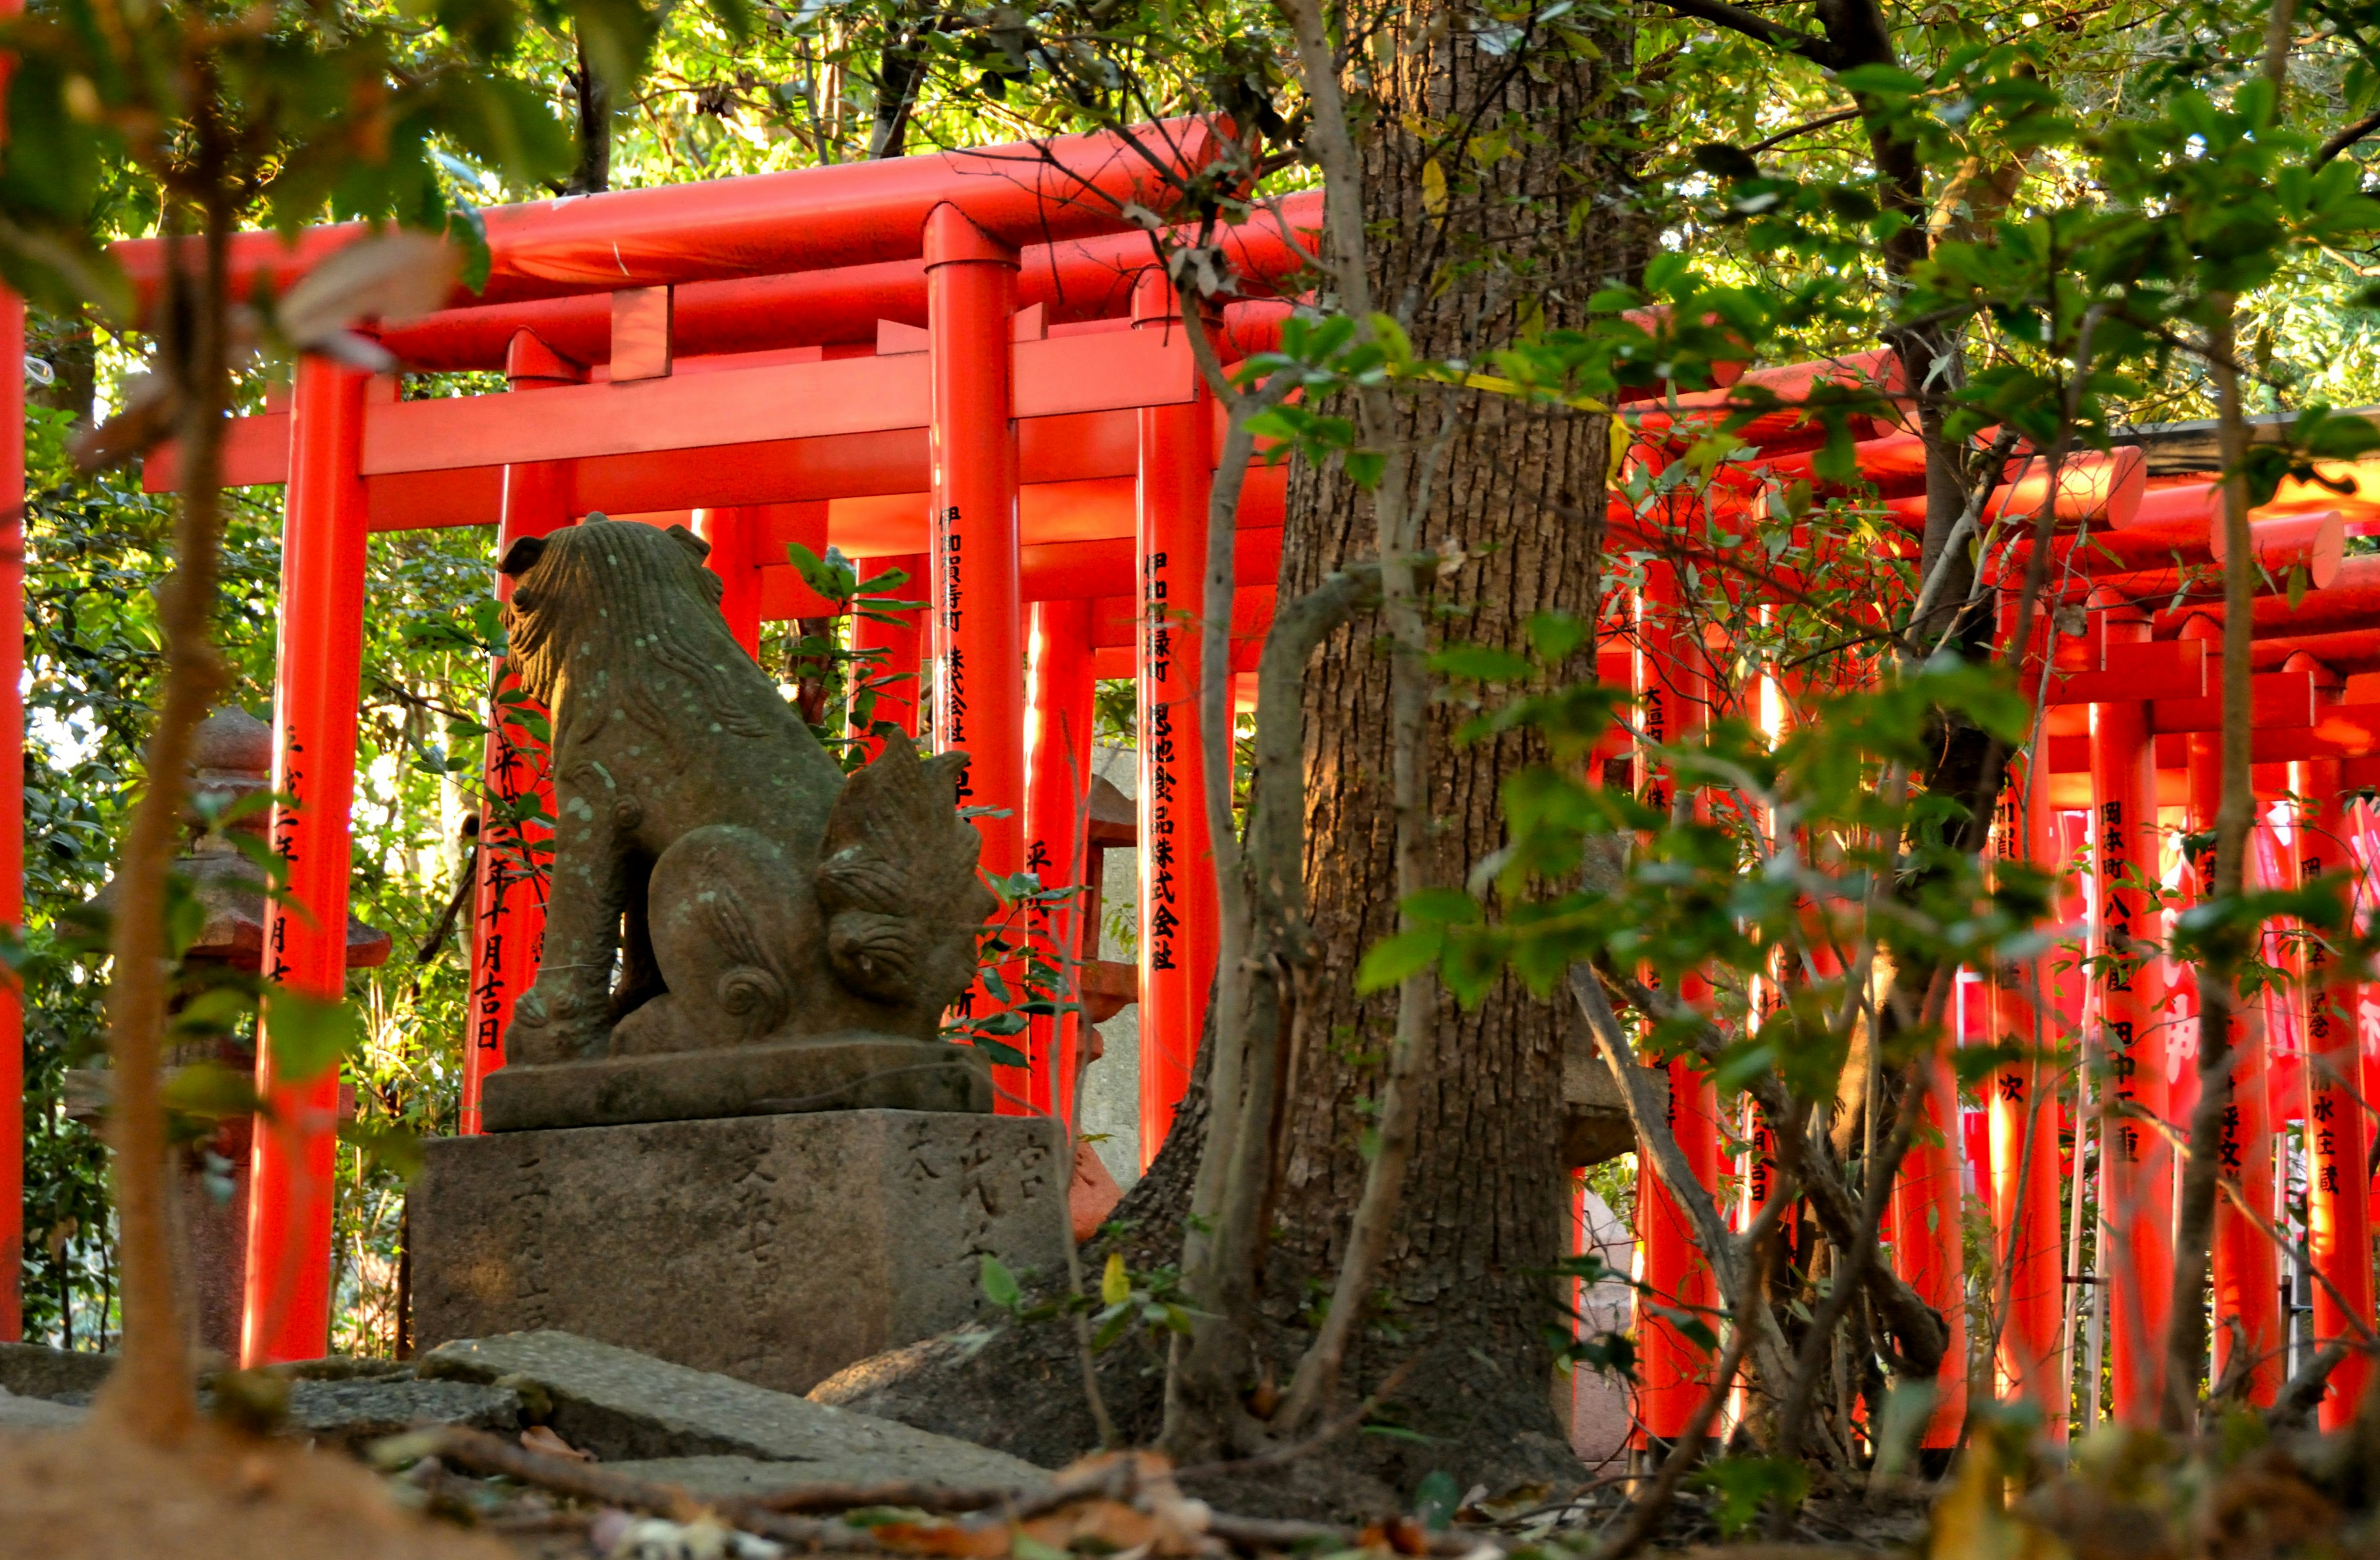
point(537, 1438)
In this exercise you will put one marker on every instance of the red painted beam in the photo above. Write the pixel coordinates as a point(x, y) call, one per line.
point(2104, 489)
point(2315, 542)
point(1083, 279)
point(809, 219)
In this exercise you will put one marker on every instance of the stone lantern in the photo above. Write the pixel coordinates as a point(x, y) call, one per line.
point(231, 760)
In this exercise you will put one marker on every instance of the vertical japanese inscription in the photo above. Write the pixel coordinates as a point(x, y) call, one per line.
point(284, 844)
point(2116, 892)
point(949, 607)
point(2325, 1097)
point(1164, 760)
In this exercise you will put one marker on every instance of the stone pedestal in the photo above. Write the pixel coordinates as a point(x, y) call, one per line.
point(773, 1249)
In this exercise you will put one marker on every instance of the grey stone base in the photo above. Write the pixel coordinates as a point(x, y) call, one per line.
point(773, 1249)
point(855, 1072)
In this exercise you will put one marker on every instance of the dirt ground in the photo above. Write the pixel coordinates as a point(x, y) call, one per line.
point(90, 1494)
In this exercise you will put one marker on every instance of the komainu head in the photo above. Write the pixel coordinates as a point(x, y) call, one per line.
point(608, 588)
point(897, 882)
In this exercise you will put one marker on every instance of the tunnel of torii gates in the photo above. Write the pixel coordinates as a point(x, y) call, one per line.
point(964, 365)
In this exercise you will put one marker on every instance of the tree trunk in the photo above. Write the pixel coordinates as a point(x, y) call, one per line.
point(1465, 1296)
point(593, 174)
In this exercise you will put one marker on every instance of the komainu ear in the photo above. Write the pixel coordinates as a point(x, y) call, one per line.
point(691, 543)
point(943, 771)
point(522, 555)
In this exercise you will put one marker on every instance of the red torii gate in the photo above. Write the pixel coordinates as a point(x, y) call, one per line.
point(1028, 412)
point(2133, 700)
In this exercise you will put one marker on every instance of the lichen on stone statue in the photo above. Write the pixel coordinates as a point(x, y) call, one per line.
point(734, 926)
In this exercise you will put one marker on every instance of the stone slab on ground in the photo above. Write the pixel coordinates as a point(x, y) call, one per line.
point(36, 1371)
point(842, 1073)
point(626, 1406)
point(356, 1413)
point(724, 1478)
point(37, 1413)
point(773, 1249)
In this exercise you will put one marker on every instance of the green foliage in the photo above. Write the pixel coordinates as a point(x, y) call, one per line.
point(1747, 1486)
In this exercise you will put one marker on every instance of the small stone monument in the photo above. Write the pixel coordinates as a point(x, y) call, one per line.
point(729, 1134)
point(231, 763)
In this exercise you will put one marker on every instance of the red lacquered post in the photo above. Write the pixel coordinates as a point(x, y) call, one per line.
point(1057, 821)
point(318, 677)
point(978, 639)
point(2338, 1135)
point(2024, 1118)
point(1926, 1248)
point(1672, 697)
point(12, 790)
point(894, 673)
point(2136, 1170)
point(1178, 934)
point(508, 909)
point(733, 533)
point(2246, 1269)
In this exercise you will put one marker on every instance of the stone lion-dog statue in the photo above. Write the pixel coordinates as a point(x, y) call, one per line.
point(717, 880)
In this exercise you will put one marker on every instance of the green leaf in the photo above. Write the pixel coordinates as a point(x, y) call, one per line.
point(391, 1143)
point(998, 1284)
point(1480, 663)
point(1364, 467)
point(1435, 1498)
point(1393, 958)
point(307, 1035)
point(1115, 1283)
point(1556, 636)
point(1441, 907)
point(209, 1089)
point(1746, 1486)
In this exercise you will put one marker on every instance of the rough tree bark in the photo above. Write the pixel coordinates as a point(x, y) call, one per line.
point(1461, 255)
point(592, 175)
point(1465, 257)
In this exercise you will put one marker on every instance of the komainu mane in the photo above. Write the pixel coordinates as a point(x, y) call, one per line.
point(706, 846)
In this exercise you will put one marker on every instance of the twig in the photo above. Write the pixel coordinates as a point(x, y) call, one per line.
point(1280, 1455)
point(1647, 1513)
point(2303, 1393)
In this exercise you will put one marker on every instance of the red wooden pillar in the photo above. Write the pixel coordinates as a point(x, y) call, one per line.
point(508, 911)
point(1926, 1245)
point(2246, 1268)
point(735, 534)
point(2024, 1121)
point(1672, 697)
point(1178, 926)
point(318, 678)
point(1057, 822)
point(893, 677)
point(978, 630)
point(2136, 1166)
point(12, 789)
point(2338, 1133)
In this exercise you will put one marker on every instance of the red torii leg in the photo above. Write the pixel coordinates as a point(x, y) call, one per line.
point(2246, 1268)
point(978, 645)
point(896, 701)
point(12, 791)
point(2024, 1119)
point(2338, 1216)
point(286, 1307)
point(1179, 939)
point(2136, 1166)
point(1672, 697)
point(1926, 1245)
point(508, 908)
point(733, 533)
point(1057, 821)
